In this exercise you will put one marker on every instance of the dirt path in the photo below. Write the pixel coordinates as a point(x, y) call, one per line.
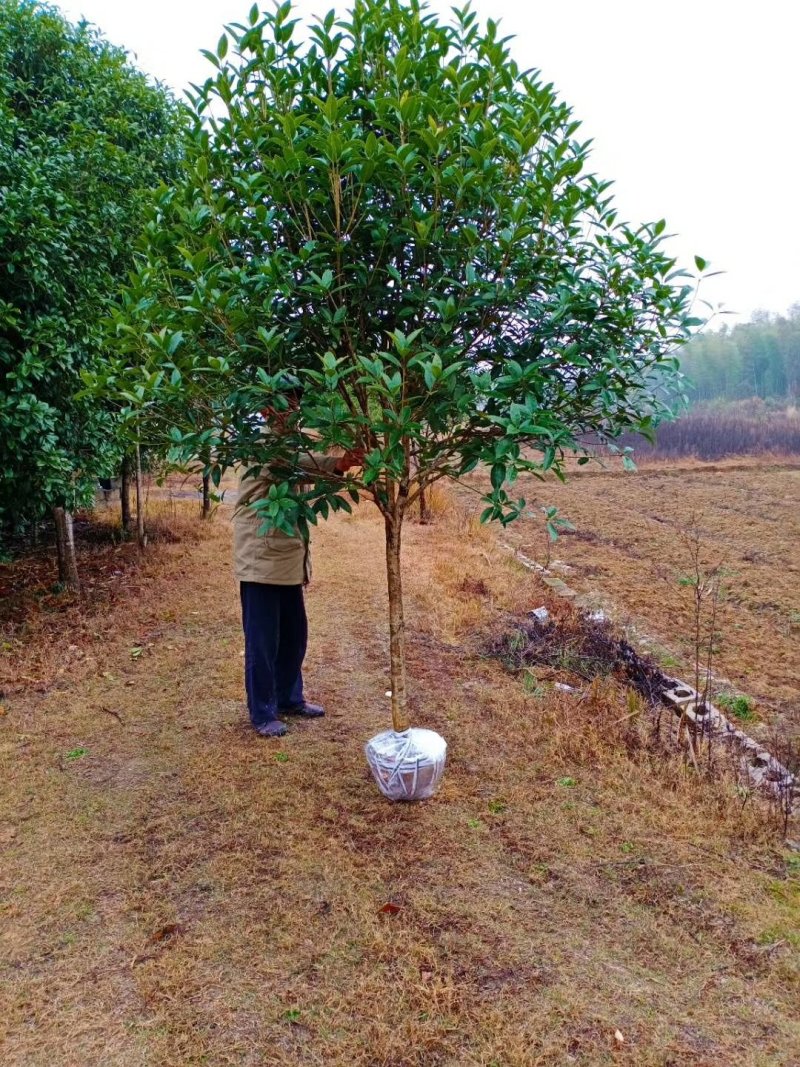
point(177, 891)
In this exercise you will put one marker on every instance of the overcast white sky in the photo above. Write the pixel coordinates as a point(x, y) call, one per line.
point(693, 106)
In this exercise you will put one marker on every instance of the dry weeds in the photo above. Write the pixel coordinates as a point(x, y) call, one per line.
point(177, 891)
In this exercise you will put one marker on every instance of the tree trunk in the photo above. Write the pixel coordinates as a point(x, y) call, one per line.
point(125, 494)
point(141, 536)
point(65, 545)
point(424, 509)
point(206, 495)
point(397, 634)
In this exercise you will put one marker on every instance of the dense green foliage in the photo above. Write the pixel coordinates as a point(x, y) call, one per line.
point(760, 358)
point(83, 136)
point(401, 218)
point(397, 216)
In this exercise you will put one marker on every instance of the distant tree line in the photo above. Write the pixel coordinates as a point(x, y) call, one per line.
point(760, 358)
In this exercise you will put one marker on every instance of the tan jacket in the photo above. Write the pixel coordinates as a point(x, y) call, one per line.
point(273, 558)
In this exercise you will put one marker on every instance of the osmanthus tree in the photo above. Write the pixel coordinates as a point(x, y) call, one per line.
point(386, 209)
point(84, 137)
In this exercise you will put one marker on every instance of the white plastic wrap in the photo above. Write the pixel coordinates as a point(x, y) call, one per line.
point(408, 765)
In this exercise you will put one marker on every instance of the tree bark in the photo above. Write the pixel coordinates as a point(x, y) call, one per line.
point(125, 494)
point(65, 546)
point(141, 536)
point(206, 495)
point(397, 634)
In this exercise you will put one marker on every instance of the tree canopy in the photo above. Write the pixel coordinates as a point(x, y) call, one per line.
point(392, 213)
point(83, 138)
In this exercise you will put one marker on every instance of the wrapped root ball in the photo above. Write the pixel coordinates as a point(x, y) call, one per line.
point(408, 765)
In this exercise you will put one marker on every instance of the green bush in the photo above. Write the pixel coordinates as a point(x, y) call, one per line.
point(83, 137)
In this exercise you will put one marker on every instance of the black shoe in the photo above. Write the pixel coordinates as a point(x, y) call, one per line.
point(306, 710)
point(273, 728)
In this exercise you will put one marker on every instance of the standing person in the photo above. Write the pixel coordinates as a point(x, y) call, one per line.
point(271, 570)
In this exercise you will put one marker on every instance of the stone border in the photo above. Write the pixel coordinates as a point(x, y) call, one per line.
point(760, 766)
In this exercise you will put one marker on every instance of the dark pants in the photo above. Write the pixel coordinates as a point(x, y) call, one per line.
point(275, 638)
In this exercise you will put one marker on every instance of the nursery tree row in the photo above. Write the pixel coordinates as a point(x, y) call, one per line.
point(84, 138)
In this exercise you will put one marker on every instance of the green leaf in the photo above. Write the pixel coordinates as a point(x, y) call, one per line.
point(174, 343)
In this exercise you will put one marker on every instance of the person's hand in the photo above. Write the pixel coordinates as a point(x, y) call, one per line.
point(354, 457)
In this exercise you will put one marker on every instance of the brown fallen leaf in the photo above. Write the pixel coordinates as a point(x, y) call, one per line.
point(389, 908)
point(164, 933)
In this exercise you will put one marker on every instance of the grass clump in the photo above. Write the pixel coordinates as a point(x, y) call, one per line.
point(740, 707)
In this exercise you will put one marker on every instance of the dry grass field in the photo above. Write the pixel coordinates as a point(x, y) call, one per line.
point(631, 551)
point(177, 891)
